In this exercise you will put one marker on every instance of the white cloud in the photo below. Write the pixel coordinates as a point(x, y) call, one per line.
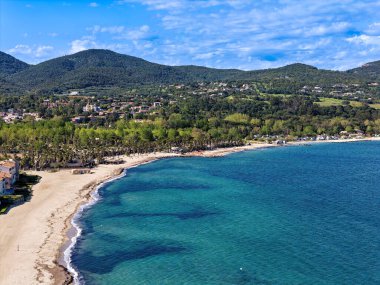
point(175, 5)
point(138, 33)
point(80, 45)
point(43, 50)
point(31, 51)
point(315, 45)
point(373, 29)
point(341, 55)
point(111, 29)
point(207, 55)
point(157, 4)
point(244, 33)
point(93, 4)
point(134, 34)
point(365, 40)
point(327, 29)
point(86, 43)
point(21, 49)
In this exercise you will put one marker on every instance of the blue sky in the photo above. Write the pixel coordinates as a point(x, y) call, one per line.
point(217, 33)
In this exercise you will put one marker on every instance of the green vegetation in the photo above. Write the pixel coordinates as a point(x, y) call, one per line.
point(125, 105)
point(104, 68)
point(327, 102)
point(3, 209)
point(375, 106)
point(191, 123)
point(355, 103)
point(238, 118)
point(107, 69)
point(8, 200)
point(369, 70)
point(10, 65)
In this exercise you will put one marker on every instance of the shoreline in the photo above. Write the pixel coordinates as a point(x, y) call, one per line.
point(34, 239)
point(66, 249)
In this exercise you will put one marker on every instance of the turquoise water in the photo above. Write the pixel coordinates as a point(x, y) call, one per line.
point(293, 215)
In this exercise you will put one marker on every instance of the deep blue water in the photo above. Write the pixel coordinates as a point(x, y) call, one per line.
point(292, 215)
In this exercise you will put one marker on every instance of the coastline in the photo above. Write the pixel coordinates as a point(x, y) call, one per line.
point(34, 236)
point(66, 250)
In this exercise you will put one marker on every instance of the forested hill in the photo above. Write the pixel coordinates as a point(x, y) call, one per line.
point(105, 68)
point(10, 65)
point(305, 74)
point(369, 70)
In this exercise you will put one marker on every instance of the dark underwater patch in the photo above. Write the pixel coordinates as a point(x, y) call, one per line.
point(186, 215)
point(139, 250)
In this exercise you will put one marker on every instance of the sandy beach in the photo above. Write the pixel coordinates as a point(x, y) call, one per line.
point(32, 235)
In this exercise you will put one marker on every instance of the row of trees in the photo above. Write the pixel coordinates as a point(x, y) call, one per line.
point(55, 143)
point(194, 123)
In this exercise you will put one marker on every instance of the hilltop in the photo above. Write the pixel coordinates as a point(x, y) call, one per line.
point(10, 65)
point(108, 68)
point(369, 70)
point(105, 68)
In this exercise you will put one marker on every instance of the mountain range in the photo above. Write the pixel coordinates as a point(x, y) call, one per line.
point(105, 68)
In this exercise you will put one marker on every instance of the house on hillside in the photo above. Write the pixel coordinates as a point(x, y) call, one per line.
point(7, 185)
point(78, 120)
point(91, 108)
point(11, 168)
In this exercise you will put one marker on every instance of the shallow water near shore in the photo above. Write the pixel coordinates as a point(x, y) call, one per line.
point(294, 215)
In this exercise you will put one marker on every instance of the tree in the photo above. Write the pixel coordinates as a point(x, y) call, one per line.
point(237, 118)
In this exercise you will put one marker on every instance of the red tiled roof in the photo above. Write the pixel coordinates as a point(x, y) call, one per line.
point(8, 163)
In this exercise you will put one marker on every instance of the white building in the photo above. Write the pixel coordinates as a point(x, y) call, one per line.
point(91, 108)
point(10, 169)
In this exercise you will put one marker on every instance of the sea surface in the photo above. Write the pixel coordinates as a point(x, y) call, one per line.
point(290, 215)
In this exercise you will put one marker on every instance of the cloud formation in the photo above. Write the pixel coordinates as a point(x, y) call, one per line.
point(226, 33)
point(43, 50)
point(37, 51)
point(259, 34)
point(20, 49)
point(81, 45)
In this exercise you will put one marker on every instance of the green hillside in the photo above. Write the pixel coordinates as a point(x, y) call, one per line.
point(369, 70)
point(10, 65)
point(104, 68)
point(107, 68)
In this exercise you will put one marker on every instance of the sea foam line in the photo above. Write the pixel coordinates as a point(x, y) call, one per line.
point(95, 198)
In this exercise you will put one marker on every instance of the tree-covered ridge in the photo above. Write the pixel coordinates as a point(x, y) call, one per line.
point(8, 87)
point(369, 70)
point(104, 68)
point(304, 74)
point(10, 65)
point(107, 68)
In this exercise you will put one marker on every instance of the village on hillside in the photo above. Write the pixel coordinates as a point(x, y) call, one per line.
point(96, 106)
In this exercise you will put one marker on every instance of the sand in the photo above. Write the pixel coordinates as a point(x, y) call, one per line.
point(32, 235)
